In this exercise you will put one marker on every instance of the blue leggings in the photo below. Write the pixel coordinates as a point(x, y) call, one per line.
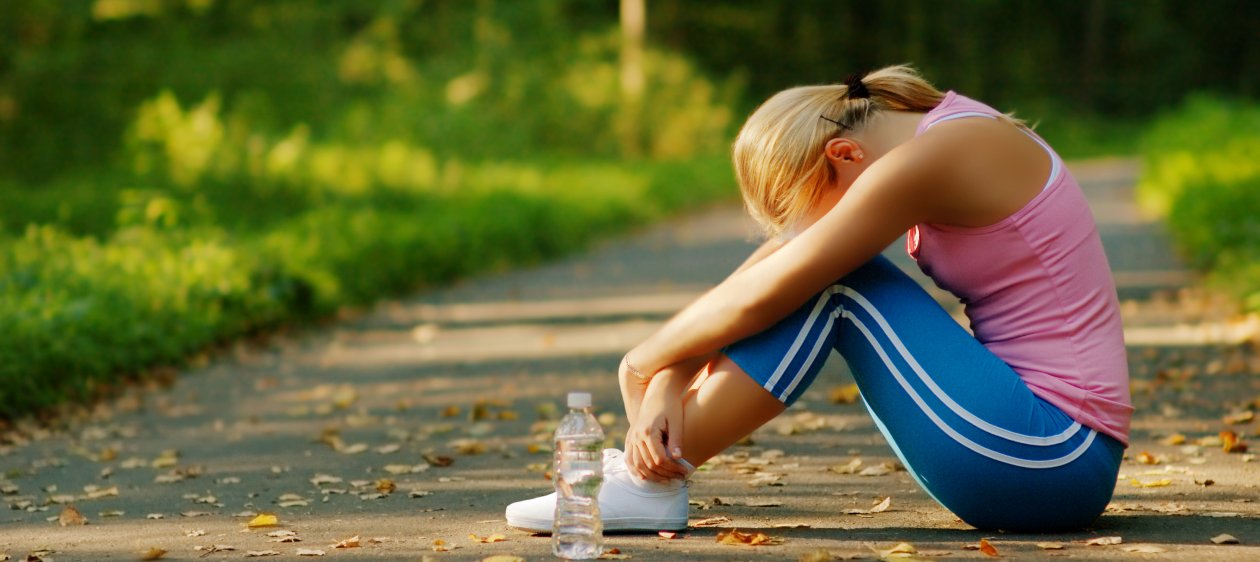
point(966, 427)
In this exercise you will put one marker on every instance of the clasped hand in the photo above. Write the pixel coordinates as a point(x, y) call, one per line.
point(654, 441)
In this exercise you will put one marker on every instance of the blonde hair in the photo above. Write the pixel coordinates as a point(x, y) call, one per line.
point(778, 154)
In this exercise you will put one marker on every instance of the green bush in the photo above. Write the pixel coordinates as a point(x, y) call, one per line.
point(1201, 172)
point(77, 312)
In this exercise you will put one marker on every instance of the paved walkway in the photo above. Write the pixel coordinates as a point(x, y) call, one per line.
point(418, 422)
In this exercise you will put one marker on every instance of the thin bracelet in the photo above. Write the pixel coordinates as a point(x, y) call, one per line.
point(634, 370)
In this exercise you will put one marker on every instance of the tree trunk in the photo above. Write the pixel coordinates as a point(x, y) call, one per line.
point(633, 23)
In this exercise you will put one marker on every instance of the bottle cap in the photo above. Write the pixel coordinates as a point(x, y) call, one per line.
point(579, 400)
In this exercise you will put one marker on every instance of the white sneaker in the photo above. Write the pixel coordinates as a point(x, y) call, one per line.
point(625, 503)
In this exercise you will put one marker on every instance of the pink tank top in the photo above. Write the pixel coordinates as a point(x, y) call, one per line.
point(1038, 291)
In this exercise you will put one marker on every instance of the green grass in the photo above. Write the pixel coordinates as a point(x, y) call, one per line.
point(80, 311)
point(1202, 174)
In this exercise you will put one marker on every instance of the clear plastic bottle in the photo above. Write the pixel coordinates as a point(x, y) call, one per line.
point(578, 532)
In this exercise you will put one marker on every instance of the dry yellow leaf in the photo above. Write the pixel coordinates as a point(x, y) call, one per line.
point(487, 539)
point(1146, 458)
point(1174, 439)
point(903, 551)
point(504, 558)
point(1230, 443)
point(1050, 545)
point(987, 548)
point(1224, 539)
point(736, 537)
point(153, 553)
point(263, 520)
point(1104, 541)
point(1150, 483)
point(846, 394)
point(385, 486)
point(71, 516)
point(352, 542)
point(881, 506)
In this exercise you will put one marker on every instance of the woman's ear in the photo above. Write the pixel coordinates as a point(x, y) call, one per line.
point(843, 151)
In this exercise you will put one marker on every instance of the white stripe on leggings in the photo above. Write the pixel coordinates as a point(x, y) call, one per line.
point(940, 393)
point(980, 449)
point(905, 354)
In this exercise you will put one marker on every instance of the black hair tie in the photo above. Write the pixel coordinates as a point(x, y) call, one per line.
point(856, 89)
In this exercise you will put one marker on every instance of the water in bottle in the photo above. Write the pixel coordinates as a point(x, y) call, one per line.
point(578, 533)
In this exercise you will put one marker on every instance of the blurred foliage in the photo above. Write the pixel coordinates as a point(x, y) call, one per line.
point(1202, 174)
point(1040, 58)
point(177, 173)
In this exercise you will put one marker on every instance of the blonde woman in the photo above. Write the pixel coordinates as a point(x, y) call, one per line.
point(1019, 427)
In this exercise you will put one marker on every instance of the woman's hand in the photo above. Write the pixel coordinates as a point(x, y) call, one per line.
point(654, 444)
point(654, 440)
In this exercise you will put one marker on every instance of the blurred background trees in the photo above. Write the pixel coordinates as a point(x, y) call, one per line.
point(176, 173)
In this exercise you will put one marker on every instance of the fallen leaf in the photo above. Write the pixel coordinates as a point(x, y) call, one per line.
point(1050, 545)
point(352, 542)
point(882, 506)
point(851, 468)
point(399, 469)
point(195, 533)
point(320, 479)
point(71, 516)
point(153, 553)
point(260, 553)
point(440, 545)
point(385, 486)
point(450, 411)
point(846, 394)
point(505, 558)
point(1144, 548)
point(1146, 458)
point(667, 534)
point(735, 537)
point(612, 554)
point(1230, 443)
point(880, 469)
point(1150, 483)
point(112, 513)
point(468, 446)
point(987, 548)
point(712, 521)
point(1104, 541)
point(903, 551)
point(1224, 539)
point(263, 520)
point(155, 516)
point(438, 460)
point(1239, 418)
point(309, 552)
point(1174, 439)
point(489, 539)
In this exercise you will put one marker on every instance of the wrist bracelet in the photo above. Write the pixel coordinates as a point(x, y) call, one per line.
point(634, 370)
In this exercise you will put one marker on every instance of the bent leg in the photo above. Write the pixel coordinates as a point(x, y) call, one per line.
point(962, 421)
point(723, 406)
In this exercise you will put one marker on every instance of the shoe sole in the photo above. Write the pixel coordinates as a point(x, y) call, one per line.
point(619, 525)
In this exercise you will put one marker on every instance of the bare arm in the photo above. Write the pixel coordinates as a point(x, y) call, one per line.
point(889, 197)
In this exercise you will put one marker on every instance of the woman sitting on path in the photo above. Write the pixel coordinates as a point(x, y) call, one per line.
point(1020, 427)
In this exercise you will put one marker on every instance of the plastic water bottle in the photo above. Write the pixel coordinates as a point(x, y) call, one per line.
point(578, 532)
